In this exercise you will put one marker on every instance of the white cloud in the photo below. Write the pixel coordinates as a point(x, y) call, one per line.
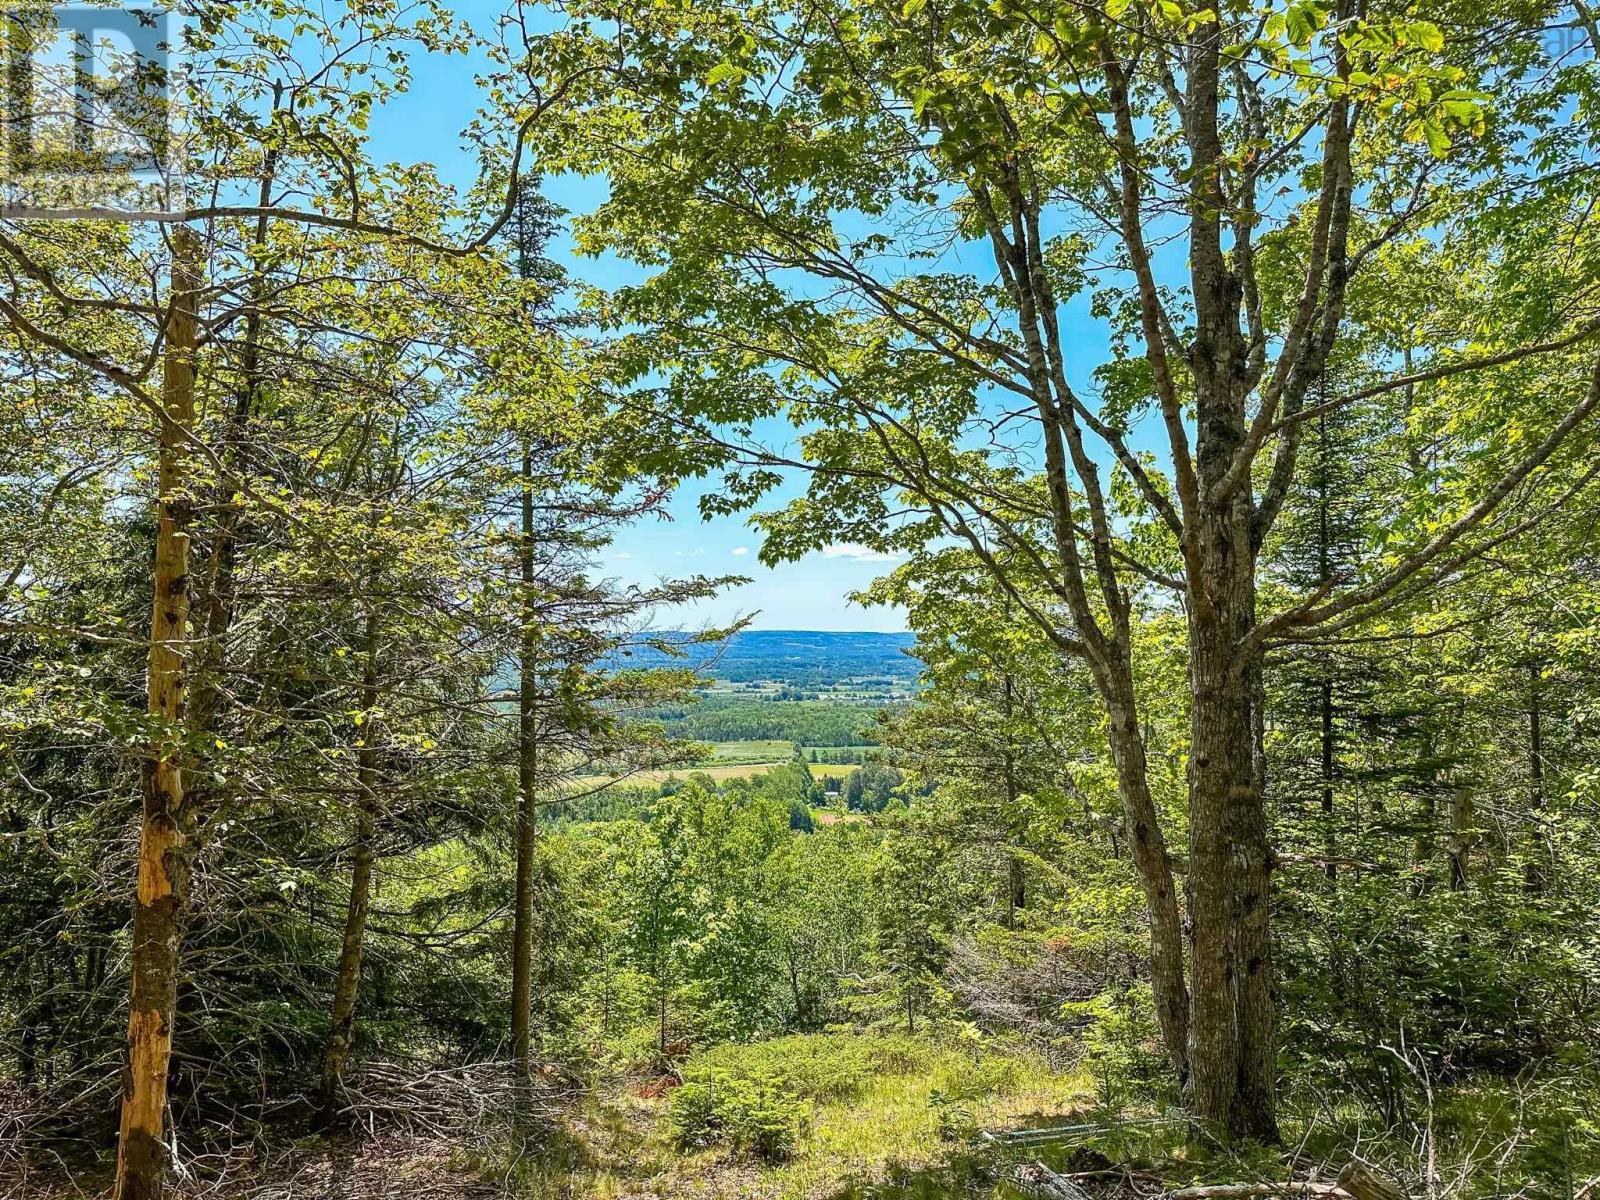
point(740, 551)
point(622, 554)
point(858, 552)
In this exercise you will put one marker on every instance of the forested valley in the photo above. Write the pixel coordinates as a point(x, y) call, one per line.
point(1213, 390)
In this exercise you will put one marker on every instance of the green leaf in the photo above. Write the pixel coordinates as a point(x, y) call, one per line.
point(1426, 35)
point(1438, 139)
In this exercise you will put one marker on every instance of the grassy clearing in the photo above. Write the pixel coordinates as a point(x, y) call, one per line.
point(831, 770)
point(881, 1108)
point(754, 750)
point(721, 771)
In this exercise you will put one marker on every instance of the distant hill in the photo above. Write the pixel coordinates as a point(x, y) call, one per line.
point(800, 656)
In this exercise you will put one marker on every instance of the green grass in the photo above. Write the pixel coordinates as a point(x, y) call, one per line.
point(874, 1117)
point(765, 751)
point(831, 770)
point(880, 1109)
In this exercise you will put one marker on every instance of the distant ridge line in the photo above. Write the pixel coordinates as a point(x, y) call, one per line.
point(905, 634)
point(800, 656)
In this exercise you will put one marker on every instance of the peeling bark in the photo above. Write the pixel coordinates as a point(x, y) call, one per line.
point(163, 884)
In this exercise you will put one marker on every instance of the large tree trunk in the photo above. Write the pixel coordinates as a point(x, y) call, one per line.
point(1154, 868)
point(1231, 1035)
point(1218, 743)
point(347, 978)
point(1232, 1029)
point(1254, 1109)
point(527, 794)
point(163, 886)
point(1016, 877)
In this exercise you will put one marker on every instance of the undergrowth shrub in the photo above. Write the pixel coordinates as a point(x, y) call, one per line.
point(1120, 1042)
point(716, 1108)
point(952, 1120)
point(826, 1066)
point(817, 1067)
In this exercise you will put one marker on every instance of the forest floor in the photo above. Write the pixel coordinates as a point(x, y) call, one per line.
point(896, 1132)
point(881, 1117)
point(375, 1166)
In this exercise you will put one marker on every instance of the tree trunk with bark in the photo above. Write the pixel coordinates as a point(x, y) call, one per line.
point(1458, 846)
point(1535, 737)
point(164, 854)
point(527, 793)
point(1148, 847)
point(347, 977)
point(1232, 1029)
point(1232, 1036)
point(1231, 1046)
point(1016, 875)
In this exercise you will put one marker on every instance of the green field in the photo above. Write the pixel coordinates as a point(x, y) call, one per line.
point(725, 767)
point(831, 770)
point(754, 750)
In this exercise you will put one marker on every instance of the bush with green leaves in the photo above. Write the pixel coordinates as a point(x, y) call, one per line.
point(952, 1120)
point(714, 1107)
point(1118, 1034)
point(813, 1067)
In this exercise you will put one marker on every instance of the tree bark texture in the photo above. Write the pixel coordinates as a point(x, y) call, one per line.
point(347, 977)
point(164, 854)
point(527, 791)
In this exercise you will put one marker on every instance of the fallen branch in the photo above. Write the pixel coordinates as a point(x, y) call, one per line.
point(1366, 1182)
point(1225, 1191)
point(1039, 1181)
point(468, 1101)
point(1051, 1133)
point(1358, 1181)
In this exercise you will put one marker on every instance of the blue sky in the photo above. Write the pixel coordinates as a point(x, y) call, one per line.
point(424, 126)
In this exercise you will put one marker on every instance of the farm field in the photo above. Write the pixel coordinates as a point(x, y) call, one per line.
point(720, 770)
point(752, 750)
